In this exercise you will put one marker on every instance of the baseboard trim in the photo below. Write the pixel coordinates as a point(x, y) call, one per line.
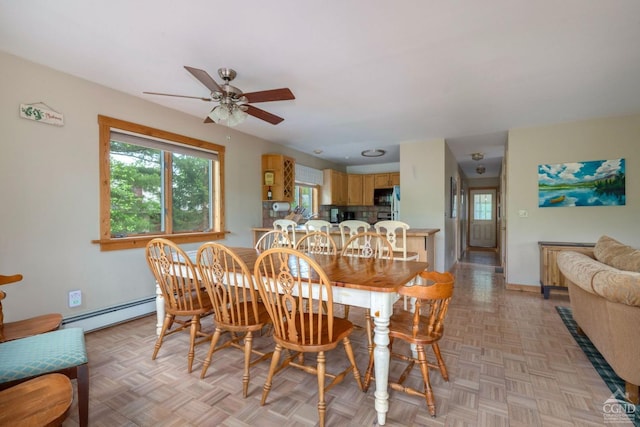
point(522, 288)
point(110, 316)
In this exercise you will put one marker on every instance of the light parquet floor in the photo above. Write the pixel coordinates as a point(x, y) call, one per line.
point(510, 358)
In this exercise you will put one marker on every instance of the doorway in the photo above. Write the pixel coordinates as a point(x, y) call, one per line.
point(482, 218)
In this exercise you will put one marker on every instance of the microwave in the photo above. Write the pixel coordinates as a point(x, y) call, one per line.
point(382, 196)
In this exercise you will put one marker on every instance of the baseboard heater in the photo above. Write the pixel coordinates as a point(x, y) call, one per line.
point(112, 315)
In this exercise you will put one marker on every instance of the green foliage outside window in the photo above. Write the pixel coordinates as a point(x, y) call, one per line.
point(138, 194)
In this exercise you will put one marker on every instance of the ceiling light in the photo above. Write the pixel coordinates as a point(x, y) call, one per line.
point(480, 169)
point(477, 156)
point(317, 151)
point(373, 153)
point(232, 114)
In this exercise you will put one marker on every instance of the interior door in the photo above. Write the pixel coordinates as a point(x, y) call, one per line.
point(482, 218)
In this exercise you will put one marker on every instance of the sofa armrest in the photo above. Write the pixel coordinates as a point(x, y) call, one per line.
point(618, 286)
point(579, 268)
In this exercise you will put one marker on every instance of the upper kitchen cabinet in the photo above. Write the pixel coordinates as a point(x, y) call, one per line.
point(386, 180)
point(354, 190)
point(334, 188)
point(360, 188)
point(368, 184)
point(278, 174)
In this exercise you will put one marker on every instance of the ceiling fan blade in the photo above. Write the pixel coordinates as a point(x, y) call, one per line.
point(204, 78)
point(282, 94)
point(263, 115)
point(178, 96)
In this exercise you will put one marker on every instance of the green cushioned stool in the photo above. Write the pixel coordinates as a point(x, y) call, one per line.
point(60, 351)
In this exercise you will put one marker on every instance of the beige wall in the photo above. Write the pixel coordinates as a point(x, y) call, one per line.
point(600, 139)
point(49, 190)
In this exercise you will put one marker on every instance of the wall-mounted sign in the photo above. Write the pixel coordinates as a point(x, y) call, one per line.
point(40, 113)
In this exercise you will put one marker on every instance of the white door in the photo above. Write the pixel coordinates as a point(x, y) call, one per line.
point(482, 218)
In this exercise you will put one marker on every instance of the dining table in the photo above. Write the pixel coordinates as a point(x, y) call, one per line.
point(362, 282)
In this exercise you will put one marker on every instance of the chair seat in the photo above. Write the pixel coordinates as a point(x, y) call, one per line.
point(42, 354)
point(32, 326)
point(401, 326)
point(42, 401)
point(341, 328)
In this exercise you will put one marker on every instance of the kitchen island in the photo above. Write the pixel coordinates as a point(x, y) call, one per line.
point(420, 240)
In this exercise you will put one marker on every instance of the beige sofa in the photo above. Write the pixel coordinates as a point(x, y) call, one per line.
point(605, 299)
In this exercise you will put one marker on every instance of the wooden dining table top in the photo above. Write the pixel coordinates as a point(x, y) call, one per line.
point(379, 275)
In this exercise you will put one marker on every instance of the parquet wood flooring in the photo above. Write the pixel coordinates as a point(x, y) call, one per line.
point(511, 362)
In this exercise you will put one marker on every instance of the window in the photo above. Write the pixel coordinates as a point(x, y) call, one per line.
point(482, 207)
point(155, 183)
point(306, 196)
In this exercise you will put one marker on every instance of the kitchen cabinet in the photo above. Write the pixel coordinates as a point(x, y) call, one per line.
point(354, 190)
point(367, 189)
point(550, 275)
point(278, 173)
point(334, 188)
point(386, 180)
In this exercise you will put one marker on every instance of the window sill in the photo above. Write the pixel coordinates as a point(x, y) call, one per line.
point(133, 242)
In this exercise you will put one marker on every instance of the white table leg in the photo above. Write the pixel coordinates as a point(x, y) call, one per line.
point(159, 310)
point(381, 309)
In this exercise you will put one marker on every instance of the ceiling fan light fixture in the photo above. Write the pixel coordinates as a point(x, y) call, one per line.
point(373, 153)
point(481, 169)
point(477, 156)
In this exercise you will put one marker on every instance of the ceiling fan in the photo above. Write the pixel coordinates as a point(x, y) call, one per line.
point(233, 105)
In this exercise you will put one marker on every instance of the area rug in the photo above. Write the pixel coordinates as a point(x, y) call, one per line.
point(611, 379)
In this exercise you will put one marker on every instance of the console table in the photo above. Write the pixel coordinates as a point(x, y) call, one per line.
point(550, 276)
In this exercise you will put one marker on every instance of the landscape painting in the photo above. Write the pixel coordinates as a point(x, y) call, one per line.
point(592, 183)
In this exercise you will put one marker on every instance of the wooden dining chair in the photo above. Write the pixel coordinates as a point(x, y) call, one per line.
point(236, 305)
point(273, 239)
point(373, 246)
point(183, 295)
point(350, 228)
point(285, 277)
point(27, 327)
point(317, 242)
point(288, 226)
point(317, 225)
point(41, 401)
point(422, 327)
point(396, 234)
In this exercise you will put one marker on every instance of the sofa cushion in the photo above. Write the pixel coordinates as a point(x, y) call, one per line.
point(618, 255)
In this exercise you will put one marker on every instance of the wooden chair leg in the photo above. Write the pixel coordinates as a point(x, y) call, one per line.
point(370, 346)
point(321, 369)
point(352, 359)
point(272, 369)
point(441, 364)
point(193, 330)
point(168, 321)
point(428, 391)
point(248, 344)
point(82, 377)
point(212, 348)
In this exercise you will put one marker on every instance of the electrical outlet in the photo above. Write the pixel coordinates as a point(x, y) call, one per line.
point(75, 298)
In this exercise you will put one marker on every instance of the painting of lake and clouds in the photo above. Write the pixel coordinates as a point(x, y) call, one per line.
point(593, 183)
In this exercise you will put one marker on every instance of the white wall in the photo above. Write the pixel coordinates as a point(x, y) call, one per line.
point(49, 190)
point(422, 180)
point(600, 139)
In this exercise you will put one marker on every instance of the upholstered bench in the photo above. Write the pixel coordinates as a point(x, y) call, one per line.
point(61, 351)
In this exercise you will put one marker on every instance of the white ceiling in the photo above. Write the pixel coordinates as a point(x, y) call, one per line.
point(365, 73)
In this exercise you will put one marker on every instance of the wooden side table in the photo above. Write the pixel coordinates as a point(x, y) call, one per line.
point(550, 276)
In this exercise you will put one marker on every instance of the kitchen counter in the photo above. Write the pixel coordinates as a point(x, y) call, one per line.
point(420, 240)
